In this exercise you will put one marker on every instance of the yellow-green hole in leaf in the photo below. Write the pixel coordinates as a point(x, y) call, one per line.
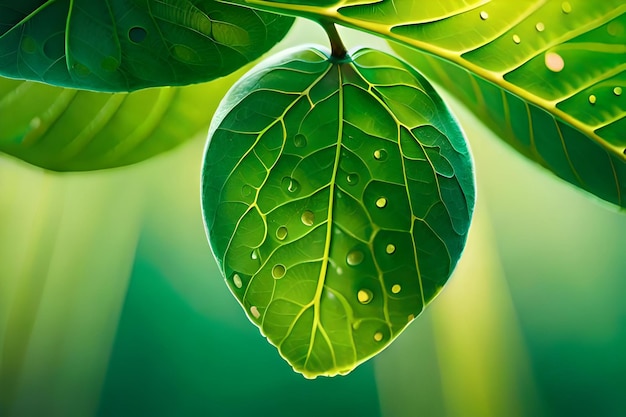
point(364, 296)
point(279, 271)
point(281, 233)
point(380, 154)
point(378, 336)
point(390, 249)
point(381, 202)
point(396, 288)
point(592, 99)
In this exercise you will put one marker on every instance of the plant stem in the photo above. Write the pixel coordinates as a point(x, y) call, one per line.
point(338, 49)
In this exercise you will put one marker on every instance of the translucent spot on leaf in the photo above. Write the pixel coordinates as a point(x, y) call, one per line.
point(516, 39)
point(279, 271)
point(290, 185)
point(484, 15)
point(137, 34)
point(554, 62)
point(109, 64)
point(396, 288)
point(364, 296)
point(80, 69)
point(355, 257)
point(308, 218)
point(255, 312)
point(28, 45)
point(566, 7)
point(184, 54)
point(380, 154)
point(229, 34)
point(592, 99)
point(617, 91)
point(378, 336)
point(381, 202)
point(391, 248)
point(615, 28)
point(237, 281)
point(540, 27)
point(281, 233)
point(246, 190)
point(353, 178)
point(299, 140)
point(35, 123)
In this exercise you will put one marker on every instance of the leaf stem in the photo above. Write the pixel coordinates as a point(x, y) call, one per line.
point(338, 49)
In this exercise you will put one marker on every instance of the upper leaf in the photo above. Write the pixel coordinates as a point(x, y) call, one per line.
point(337, 198)
point(116, 45)
point(64, 129)
point(548, 75)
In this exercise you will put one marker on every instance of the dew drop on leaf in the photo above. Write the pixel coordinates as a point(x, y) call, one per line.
point(246, 190)
point(516, 39)
point(484, 15)
point(290, 185)
point(254, 255)
point(378, 336)
point(617, 91)
point(592, 99)
point(364, 296)
point(255, 312)
point(237, 281)
point(396, 288)
point(279, 271)
point(566, 7)
point(390, 249)
point(355, 257)
point(281, 233)
point(381, 202)
point(540, 27)
point(353, 178)
point(308, 218)
point(299, 140)
point(380, 154)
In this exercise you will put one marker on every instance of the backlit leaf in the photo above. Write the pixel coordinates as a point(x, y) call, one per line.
point(337, 197)
point(117, 45)
point(63, 129)
point(549, 76)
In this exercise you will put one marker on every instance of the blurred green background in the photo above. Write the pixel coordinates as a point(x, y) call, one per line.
point(111, 304)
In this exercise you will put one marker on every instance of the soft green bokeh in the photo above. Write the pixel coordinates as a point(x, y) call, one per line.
point(111, 305)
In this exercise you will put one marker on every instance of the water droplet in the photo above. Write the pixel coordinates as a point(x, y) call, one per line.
point(237, 281)
point(381, 202)
point(281, 233)
point(396, 288)
point(391, 248)
point(299, 140)
point(255, 254)
point(246, 190)
point(279, 271)
point(355, 257)
point(517, 39)
point(35, 123)
point(540, 27)
point(352, 178)
point(380, 154)
point(364, 296)
point(566, 7)
point(308, 218)
point(484, 15)
point(378, 336)
point(617, 91)
point(554, 62)
point(255, 312)
point(592, 99)
point(290, 185)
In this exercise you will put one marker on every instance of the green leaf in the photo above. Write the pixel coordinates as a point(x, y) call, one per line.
point(549, 76)
point(337, 197)
point(64, 129)
point(116, 45)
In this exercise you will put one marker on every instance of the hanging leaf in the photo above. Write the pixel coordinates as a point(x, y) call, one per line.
point(337, 197)
point(63, 129)
point(116, 45)
point(549, 76)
